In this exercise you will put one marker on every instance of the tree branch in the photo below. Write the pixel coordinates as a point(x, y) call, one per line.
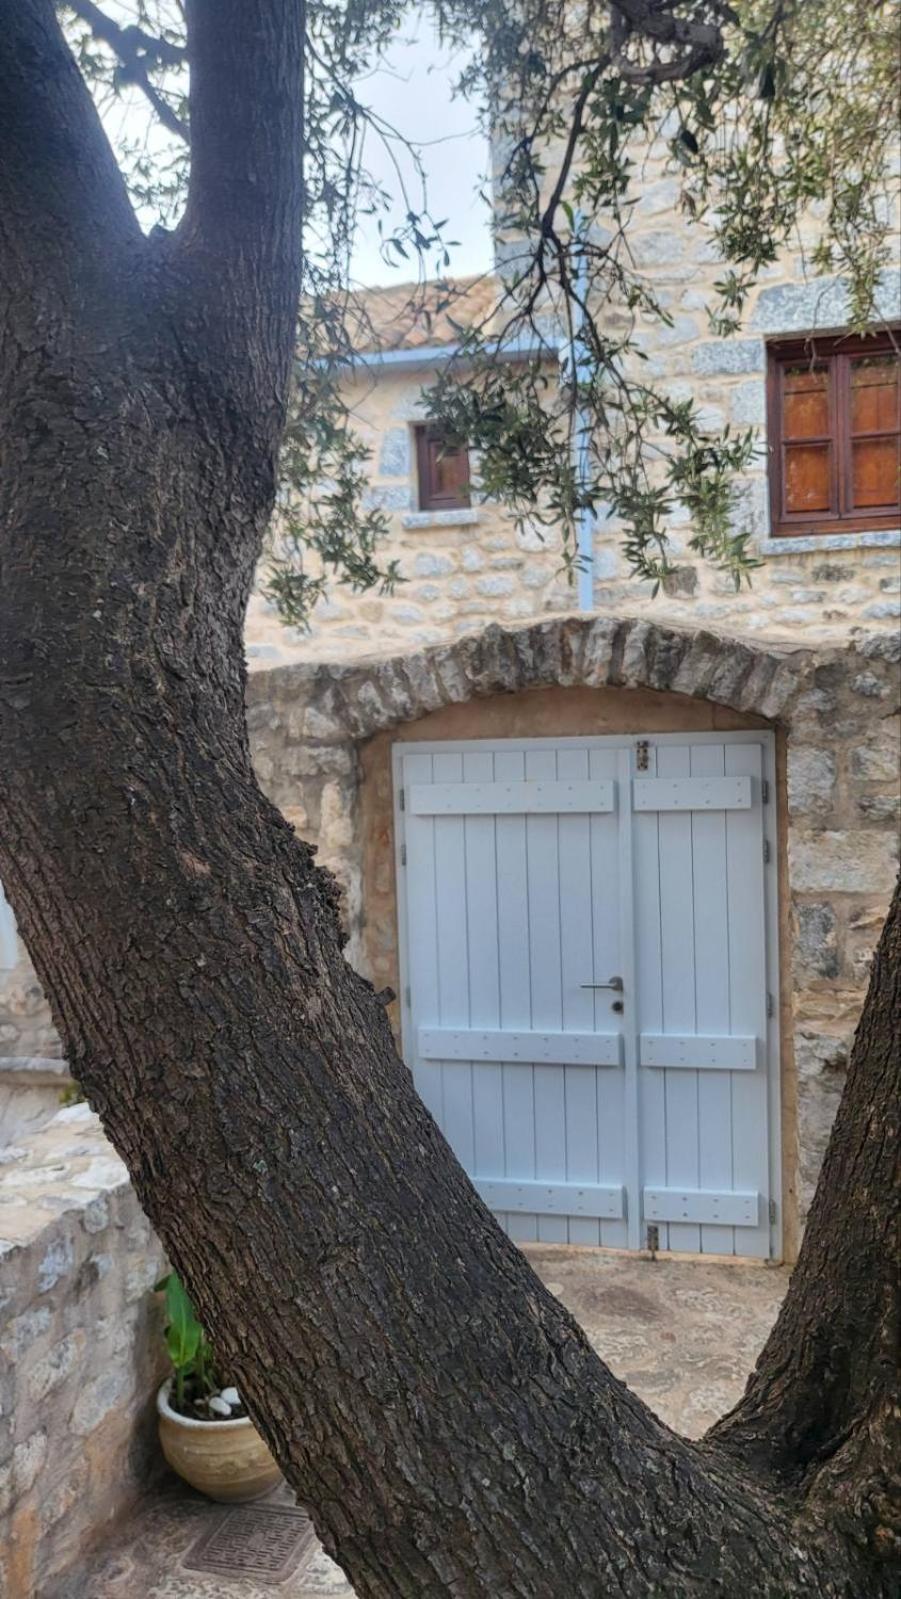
point(135, 50)
point(825, 1388)
point(63, 201)
point(246, 185)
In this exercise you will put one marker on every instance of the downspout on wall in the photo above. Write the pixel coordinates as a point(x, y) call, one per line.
point(586, 518)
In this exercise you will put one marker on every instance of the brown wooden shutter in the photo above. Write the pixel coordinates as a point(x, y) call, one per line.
point(443, 470)
point(834, 412)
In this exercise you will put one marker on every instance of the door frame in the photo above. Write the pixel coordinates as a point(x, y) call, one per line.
point(628, 744)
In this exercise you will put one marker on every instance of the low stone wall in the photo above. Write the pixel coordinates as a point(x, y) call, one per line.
point(31, 1092)
point(80, 1349)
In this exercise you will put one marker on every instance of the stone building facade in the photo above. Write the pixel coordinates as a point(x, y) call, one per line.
point(484, 611)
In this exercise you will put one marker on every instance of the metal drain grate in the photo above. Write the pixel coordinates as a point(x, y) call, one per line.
point(265, 1542)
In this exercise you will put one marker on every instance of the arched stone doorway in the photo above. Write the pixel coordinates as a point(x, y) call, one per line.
point(322, 737)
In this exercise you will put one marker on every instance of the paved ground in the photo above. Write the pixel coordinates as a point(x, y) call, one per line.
point(683, 1334)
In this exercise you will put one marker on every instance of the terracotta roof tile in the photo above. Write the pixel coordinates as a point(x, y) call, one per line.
point(409, 315)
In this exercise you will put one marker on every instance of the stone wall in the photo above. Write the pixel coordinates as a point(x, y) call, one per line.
point(80, 1349)
point(26, 1030)
point(836, 705)
point(836, 708)
point(467, 569)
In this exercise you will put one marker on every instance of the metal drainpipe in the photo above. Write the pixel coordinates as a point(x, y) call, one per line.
point(585, 528)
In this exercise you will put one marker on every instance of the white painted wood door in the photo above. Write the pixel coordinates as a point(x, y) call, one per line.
point(528, 873)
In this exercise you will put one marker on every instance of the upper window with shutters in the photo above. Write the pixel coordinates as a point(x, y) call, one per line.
point(834, 416)
point(443, 471)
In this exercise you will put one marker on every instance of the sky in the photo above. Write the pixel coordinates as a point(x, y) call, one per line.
point(412, 90)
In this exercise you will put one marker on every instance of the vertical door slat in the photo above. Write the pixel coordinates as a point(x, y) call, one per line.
point(649, 998)
point(453, 962)
point(422, 952)
point(677, 942)
point(748, 989)
point(484, 977)
point(543, 843)
point(515, 998)
point(580, 1085)
point(711, 942)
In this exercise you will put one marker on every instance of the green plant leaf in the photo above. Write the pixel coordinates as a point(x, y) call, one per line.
point(183, 1331)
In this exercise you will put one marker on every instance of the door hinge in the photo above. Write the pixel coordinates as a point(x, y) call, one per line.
point(765, 792)
point(653, 1239)
point(772, 1212)
point(403, 855)
point(401, 800)
point(770, 1005)
point(766, 852)
point(642, 755)
point(407, 999)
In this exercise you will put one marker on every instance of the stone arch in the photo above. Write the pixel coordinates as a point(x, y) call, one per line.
point(353, 701)
point(833, 705)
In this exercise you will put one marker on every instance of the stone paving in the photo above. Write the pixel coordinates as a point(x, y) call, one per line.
point(682, 1333)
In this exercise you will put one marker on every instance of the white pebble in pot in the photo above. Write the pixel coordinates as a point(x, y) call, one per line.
point(231, 1396)
point(219, 1406)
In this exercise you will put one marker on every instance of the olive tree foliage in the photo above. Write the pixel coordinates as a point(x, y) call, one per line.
point(769, 111)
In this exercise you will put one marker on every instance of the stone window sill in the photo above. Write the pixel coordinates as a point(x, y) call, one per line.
point(811, 544)
point(465, 517)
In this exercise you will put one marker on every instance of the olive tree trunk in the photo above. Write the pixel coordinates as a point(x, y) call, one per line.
point(438, 1411)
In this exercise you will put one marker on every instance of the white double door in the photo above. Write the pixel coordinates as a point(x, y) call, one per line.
point(589, 970)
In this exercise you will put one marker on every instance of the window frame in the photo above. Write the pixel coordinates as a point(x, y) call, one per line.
point(428, 498)
point(837, 352)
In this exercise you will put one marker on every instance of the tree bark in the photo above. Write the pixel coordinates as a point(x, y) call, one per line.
point(439, 1412)
point(821, 1412)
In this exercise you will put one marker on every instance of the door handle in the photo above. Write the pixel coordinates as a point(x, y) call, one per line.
point(615, 983)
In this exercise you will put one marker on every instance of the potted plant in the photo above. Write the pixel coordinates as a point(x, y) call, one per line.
point(206, 1434)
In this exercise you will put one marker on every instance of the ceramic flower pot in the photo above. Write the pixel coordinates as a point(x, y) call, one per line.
point(226, 1460)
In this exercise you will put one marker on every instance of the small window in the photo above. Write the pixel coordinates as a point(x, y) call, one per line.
point(834, 412)
point(443, 470)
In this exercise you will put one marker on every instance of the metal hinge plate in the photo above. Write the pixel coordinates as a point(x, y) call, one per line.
point(772, 1212)
point(407, 999)
point(403, 855)
point(642, 755)
point(765, 792)
point(766, 852)
point(770, 1005)
point(401, 800)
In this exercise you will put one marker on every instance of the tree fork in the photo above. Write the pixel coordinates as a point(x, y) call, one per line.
point(439, 1412)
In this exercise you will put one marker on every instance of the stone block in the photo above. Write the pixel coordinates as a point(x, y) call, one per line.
point(855, 861)
point(747, 404)
point(604, 562)
point(821, 303)
point(494, 587)
point(869, 686)
point(382, 497)
point(879, 807)
point(54, 1367)
point(96, 1400)
point(394, 453)
point(881, 646)
point(821, 1061)
point(658, 248)
point(428, 563)
point(682, 580)
point(56, 1263)
point(728, 357)
point(830, 572)
point(876, 762)
point(816, 943)
point(811, 779)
